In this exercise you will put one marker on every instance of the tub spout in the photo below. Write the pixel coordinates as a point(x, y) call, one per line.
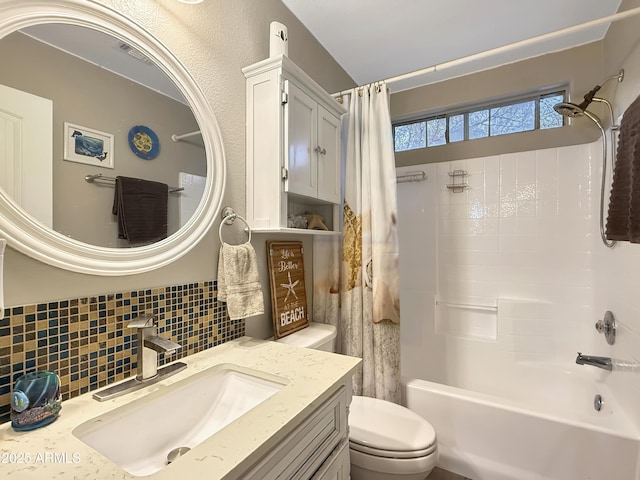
point(600, 362)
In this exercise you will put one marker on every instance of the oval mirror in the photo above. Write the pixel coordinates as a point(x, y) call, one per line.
point(103, 98)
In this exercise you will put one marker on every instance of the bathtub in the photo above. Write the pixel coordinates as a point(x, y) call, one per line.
point(541, 426)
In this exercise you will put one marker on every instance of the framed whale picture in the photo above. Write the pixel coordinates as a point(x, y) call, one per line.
point(88, 146)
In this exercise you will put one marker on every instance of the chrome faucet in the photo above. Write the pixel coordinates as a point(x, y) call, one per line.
point(149, 345)
point(600, 362)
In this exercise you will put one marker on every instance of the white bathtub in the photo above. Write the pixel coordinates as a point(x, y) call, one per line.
point(541, 426)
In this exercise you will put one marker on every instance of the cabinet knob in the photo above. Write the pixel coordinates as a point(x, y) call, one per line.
point(320, 150)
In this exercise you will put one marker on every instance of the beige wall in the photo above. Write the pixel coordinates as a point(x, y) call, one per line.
point(92, 97)
point(621, 39)
point(580, 68)
point(214, 40)
point(622, 50)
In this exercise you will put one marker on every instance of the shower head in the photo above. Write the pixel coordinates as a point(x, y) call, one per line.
point(572, 110)
point(569, 109)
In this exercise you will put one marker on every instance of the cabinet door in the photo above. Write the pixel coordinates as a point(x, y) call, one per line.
point(337, 466)
point(328, 156)
point(305, 451)
point(301, 128)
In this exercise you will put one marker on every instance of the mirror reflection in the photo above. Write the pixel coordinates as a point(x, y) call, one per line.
point(91, 106)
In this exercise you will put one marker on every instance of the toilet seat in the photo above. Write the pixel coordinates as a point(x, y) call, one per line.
point(392, 453)
point(385, 429)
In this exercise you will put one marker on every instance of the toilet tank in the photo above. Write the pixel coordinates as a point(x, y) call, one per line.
point(318, 336)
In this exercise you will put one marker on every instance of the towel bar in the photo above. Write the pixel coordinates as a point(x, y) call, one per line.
point(407, 177)
point(98, 176)
point(466, 306)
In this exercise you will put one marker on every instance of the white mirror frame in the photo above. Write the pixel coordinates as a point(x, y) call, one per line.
point(28, 236)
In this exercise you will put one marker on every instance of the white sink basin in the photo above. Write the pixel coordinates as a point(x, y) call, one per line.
point(140, 435)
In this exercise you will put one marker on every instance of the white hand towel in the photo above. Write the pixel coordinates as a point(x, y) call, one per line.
point(239, 282)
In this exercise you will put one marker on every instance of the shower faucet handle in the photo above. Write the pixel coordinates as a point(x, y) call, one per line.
point(607, 327)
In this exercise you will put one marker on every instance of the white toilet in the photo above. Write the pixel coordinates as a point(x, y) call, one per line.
point(386, 441)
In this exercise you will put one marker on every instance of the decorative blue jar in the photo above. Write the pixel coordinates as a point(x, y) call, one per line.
point(35, 401)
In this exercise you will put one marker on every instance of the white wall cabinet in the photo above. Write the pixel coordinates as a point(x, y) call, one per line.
point(293, 147)
point(312, 141)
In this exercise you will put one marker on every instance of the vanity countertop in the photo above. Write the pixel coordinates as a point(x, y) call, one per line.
point(53, 452)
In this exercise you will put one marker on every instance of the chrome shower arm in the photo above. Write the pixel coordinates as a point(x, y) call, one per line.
point(618, 76)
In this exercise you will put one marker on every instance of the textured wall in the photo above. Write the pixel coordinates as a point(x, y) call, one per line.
point(214, 40)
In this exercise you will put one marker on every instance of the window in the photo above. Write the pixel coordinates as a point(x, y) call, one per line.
point(521, 115)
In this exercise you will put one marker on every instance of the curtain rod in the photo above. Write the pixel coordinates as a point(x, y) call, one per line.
point(338, 95)
point(511, 46)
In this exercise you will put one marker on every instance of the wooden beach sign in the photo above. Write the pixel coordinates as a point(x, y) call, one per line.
point(288, 292)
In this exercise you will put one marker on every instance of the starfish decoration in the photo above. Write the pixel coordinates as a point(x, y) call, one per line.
point(290, 287)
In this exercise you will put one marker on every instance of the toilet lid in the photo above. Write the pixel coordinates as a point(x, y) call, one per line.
point(312, 336)
point(382, 425)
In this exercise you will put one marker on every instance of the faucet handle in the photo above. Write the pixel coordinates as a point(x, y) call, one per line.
point(143, 320)
point(607, 326)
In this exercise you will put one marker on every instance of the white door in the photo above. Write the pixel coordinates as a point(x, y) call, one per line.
point(328, 156)
point(301, 129)
point(26, 151)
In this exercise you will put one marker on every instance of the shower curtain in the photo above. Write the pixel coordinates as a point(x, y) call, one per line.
point(357, 286)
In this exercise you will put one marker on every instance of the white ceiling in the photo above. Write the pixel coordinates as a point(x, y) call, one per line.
point(106, 52)
point(378, 39)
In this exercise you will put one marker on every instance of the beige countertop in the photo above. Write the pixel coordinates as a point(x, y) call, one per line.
point(53, 452)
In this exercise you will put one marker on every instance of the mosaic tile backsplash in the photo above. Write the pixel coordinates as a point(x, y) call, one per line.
point(87, 342)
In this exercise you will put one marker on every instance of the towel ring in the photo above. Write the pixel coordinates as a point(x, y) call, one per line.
point(231, 218)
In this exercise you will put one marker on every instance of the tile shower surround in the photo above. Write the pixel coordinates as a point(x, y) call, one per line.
point(526, 232)
point(87, 342)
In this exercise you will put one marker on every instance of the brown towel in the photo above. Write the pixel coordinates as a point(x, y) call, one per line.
point(623, 220)
point(141, 207)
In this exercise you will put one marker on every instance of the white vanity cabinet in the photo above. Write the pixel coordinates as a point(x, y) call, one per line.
point(317, 449)
point(300, 432)
point(293, 147)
